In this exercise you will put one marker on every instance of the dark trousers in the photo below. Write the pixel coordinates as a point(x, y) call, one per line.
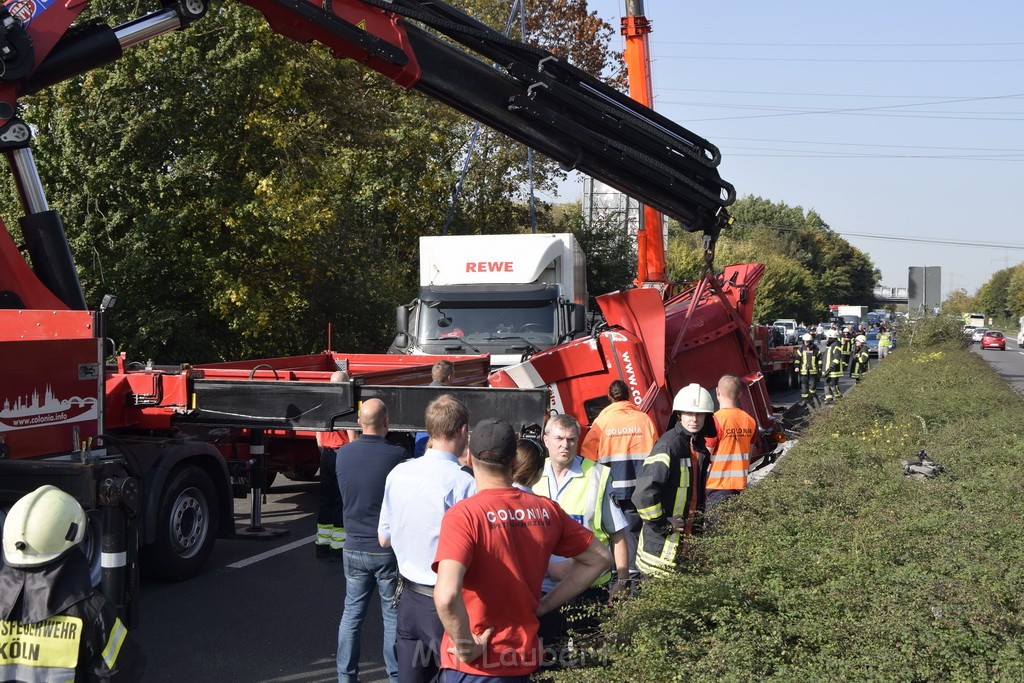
point(419, 638)
point(329, 509)
point(808, 385)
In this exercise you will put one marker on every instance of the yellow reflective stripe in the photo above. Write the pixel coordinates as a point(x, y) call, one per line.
point(655, 458)
point(117, 635)
point(679, 508)
point(652, 512)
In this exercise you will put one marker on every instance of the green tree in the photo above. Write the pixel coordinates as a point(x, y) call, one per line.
point(240, 191)
point(808, 265)
point(1015, 293)
point(958, 303)
point(992, 297)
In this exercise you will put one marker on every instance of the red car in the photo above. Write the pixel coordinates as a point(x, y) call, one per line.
point(993, 339)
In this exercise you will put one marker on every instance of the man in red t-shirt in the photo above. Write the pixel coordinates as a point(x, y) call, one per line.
point(491, 559)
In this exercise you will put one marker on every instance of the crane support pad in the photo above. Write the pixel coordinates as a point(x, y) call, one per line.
point(321, 406)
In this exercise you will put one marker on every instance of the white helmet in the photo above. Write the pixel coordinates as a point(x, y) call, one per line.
point(41, 527)
point(831, 334)
point(861, 339)
point(807, 337)
point(693, 398)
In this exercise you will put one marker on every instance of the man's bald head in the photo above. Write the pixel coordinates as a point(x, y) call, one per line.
point(339, 376)
point(373, 417)
point(729, 391)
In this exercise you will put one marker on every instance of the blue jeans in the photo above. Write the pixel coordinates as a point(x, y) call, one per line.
point(362, 571)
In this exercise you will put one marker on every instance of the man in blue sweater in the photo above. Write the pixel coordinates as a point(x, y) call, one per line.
point(363, 467)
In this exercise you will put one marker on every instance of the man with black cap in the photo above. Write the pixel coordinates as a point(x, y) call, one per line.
point(491, 559)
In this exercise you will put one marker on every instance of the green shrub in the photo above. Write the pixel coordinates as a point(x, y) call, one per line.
point(837, 566)
point(933, 331)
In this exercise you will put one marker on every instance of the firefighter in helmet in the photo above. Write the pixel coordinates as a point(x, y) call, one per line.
point(846, 347)
point(860, 360)
point(54, 626)
point(832, 366)
point(807, 366)
point(669, 494)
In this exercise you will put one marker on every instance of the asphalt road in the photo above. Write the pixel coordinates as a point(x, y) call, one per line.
point(266, 610)
point(263, 610)
point(1009, 363)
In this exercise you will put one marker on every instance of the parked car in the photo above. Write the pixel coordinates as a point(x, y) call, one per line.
point(789, 330)
point(872, 342)
point(977, 333)
point(993, 339)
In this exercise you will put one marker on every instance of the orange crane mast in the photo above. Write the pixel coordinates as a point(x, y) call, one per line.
point(650, 235)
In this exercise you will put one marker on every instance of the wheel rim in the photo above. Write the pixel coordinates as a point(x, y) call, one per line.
point(189, 520)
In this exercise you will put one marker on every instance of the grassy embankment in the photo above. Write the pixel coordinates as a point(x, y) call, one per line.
point(838, 567)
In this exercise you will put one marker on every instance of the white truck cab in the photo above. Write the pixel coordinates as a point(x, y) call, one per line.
point(506, 295)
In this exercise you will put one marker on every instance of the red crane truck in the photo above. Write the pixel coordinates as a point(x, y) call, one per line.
point(123, 439)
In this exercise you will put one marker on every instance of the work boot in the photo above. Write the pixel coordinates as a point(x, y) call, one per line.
point(322, 551)
point(335, 554)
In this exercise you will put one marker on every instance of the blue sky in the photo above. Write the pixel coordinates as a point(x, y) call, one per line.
point(902, 120)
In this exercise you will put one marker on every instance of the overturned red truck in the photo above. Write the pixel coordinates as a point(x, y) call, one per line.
point(657, 347)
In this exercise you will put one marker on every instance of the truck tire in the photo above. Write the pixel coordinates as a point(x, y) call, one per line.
point(186, 526)
point(791, 381)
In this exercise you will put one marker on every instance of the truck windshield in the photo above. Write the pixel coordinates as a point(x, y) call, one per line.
point(489, 325)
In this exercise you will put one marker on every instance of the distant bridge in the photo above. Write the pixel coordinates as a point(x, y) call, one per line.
point(891, 295)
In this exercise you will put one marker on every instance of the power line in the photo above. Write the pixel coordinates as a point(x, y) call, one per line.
point(818, 94)
point(839, 45)
point(865, 144)
point(895, 238)
point(817, 60)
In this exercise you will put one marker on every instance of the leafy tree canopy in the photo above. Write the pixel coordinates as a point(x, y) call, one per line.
point(240, 191)
point(809, 266)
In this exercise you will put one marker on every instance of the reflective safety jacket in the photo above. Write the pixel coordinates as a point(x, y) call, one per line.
point(807, 361)
point(730, 458)
point(832, 364)
point(55, 627)
point(670, 484)
point(846, 345)
point(620, 437)
point(860, 362)
point(581, 499)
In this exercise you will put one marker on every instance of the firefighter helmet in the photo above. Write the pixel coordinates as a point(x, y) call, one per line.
point(861, 339)
point(807, 337)
point(41, 527)
point(831, 334)
point(693, 398)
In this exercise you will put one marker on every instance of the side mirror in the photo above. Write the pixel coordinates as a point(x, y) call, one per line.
point(402, 321)
point(401, 341)
point(579, 319)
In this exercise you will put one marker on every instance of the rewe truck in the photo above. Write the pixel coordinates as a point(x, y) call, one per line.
point(505, 295)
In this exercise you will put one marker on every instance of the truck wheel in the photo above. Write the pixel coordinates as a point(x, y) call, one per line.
point(185, 527)
point(791, 381)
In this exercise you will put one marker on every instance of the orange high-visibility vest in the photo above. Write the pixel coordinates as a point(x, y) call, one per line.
point(731, 458)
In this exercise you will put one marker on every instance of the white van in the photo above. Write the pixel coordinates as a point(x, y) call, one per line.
point(789, 330)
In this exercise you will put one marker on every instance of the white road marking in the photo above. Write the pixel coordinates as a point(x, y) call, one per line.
point(271, 553)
